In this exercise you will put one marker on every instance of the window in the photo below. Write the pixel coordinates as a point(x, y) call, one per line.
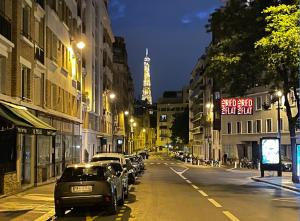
point(249, 126)
point(238, 127)
point(2, 7)
point(163, 118)
point(258, 126)
point(26, 21)
point(2, 72)
point(25, 82)
point(229, 128)
point(269, 125)
point(258, 103)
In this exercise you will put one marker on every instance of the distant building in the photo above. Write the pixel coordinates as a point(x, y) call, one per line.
point(123, 88)
point(170, 103)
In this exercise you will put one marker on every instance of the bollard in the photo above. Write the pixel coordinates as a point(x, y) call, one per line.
point(235, 165)
point(258, 166)
point(219, 163)
point(198, 161)
point(212, 163)
point(185, 160)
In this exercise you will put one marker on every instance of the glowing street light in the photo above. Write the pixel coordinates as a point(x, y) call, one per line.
point(126, 113)
point(209, 105)
point(131, 120)
point(134, 124)
point(144, 130)
point(80, 45)
point(279, 93)
point(112, 96)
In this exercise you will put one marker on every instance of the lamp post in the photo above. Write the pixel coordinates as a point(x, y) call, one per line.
point(112, 97)
point(209, 107)
point(279, 96)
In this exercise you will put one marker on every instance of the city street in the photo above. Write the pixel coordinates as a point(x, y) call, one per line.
point(172, 190)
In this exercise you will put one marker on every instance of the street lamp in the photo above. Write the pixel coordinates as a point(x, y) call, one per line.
point(112, 97)
point(279, 95)
point(126, 113)
point(80, 45)
point(209, 107)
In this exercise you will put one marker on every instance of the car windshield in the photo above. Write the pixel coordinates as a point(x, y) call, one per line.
point(83, 174)
point(96, 159)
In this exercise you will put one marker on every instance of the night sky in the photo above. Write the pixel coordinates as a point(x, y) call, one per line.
point(173, 30)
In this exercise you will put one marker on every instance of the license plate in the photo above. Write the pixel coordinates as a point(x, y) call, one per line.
point(81, 189)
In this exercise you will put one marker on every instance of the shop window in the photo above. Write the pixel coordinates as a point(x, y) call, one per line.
point(25, 82)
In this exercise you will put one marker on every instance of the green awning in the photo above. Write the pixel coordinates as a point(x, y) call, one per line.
point(22, 118)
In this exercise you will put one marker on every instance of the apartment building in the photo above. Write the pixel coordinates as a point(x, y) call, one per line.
point(204, 115)
point(123, 88)
point(40, 97)
point(170, 103)
point(241, 134)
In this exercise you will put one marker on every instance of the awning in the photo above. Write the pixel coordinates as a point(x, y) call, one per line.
point(25, 121)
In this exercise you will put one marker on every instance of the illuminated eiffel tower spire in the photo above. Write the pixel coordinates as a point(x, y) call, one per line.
point(146, 95)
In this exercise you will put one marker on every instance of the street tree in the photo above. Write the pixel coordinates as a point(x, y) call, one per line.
point(279, 52)
point(180, 127)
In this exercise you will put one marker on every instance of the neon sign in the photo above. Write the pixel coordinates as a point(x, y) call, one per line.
point(237, 106)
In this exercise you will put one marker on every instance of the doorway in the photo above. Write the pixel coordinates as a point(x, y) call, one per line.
point(26, 144)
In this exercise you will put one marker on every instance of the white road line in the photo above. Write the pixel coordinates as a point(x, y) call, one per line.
point(215, 203)
point(188, 181)
point(230, 216)
point(158, 163)
point(151, 163)
point(202, 193)
point(166, 163)
point(195, 187)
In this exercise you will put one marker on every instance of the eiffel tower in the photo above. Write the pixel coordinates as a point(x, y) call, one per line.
point(146, 95)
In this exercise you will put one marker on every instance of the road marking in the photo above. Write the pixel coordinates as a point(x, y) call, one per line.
point(202, 193)
point(172, 163)
point(166, 163)
point(188, 181)
point(195, 187)
point(151, 163)
point(122, 210)
point(230, 216)
point(158, 163)
point(215, 203)
point(119, 218)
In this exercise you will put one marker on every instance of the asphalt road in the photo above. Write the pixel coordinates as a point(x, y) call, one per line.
point(170, 190)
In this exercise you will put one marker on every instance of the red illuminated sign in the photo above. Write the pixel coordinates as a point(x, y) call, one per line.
point(237, 106)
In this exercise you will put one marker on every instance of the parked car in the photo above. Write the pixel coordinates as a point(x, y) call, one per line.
point(122, 173)
point(109, 156)
point(144, 154)
point(135, 163)
point(88, 185)
point(131, 171)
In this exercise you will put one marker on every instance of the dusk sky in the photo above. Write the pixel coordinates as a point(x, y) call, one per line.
point(173, 30)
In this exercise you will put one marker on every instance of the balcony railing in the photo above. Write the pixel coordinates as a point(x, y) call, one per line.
point(5, 25)
point(39, 53)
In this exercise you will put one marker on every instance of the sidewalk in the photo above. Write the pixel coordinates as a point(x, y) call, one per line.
point(283, 182)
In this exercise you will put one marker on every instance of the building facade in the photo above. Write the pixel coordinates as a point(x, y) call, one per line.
point(205, 122)
point(40, 90)
point(170, 103)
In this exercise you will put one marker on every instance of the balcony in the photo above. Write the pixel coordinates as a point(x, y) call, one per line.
point(5, 25)
point(39, 53)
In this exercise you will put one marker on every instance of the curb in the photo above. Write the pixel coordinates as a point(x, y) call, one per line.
point(256, 179)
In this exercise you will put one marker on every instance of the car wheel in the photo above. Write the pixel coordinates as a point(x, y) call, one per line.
point(59, 212)
point(122, 200)
point(113, 205)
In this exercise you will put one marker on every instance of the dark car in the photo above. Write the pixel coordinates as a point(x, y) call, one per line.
point(87, 185)
point(131, 171)
point(121, 172)
point(144, 154)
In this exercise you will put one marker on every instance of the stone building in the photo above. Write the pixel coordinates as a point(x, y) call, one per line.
point(123, 88)
point(170, 103)
point(205, 119)
point(40, 99)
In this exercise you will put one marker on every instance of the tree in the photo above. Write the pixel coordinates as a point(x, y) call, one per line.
point(180, 127)
point(279, 52)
